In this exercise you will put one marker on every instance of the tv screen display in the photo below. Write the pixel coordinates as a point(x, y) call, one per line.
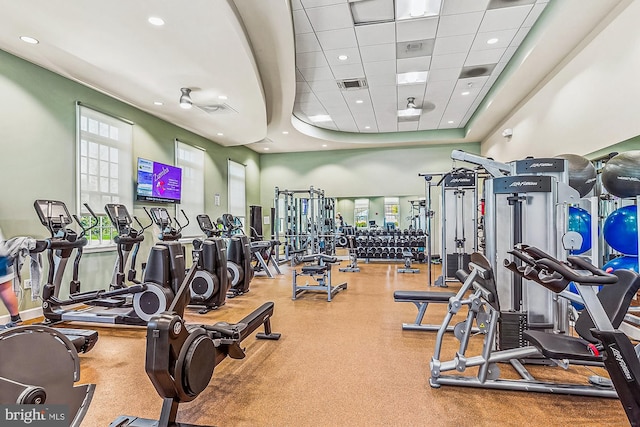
point(158, 182)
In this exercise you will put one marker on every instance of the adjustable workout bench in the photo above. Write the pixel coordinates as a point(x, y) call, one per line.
point(421, 299)
point(408, 257)
point(321, 273)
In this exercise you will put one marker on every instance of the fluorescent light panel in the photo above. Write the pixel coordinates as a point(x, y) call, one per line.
point(413, 9)
point(412, 77)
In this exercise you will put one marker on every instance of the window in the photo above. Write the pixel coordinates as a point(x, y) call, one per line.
point(191, 160)
point(361, 212)
point(392, 210)
point(104, 172)
point(236, 188)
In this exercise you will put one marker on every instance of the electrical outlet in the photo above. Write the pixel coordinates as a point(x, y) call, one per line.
point(27, 284)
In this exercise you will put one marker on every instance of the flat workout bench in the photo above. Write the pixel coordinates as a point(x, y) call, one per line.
point(421, 299)
point(321, 273)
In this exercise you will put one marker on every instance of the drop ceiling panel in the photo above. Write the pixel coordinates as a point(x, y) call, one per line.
point(311, 60)
point(307, 98)
point(407, 126)
point(440, 89)
point(299, 77)
point(505, 18)
point(503, 37)
point(331, 99)
point(453, 44)
point(319, 73)
point(452, 60)
point(519, 37)
point(330, 17)
point(373, 34)
point(380, 67)
point(488, 56)
point(406, 65)
point(317, 3)
point(349, 71)
point(301, 23)
point(351, 96)
point(455, 7)
point(382, 80)
point(381, 52)
point(352, 53)
point(302, 87)
point(457, 25)
point(296, 5)
point(442, 74)
point(371, 11)
point(336, 39)
point(416, 29)
point(307, 43)
point(324, 86)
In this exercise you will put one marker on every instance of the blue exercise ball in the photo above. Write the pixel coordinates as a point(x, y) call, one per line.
point(622, 263)
point(580, 222)
point(621, 230)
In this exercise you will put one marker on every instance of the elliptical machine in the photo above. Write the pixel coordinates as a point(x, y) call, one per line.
point(181, 358)
point(162, 277)
point(210, 284)
point(238, 251)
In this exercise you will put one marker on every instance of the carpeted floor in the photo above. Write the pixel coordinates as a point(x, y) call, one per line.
point(343, 363)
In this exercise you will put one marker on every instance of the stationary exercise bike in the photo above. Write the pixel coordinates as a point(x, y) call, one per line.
point(181, 358)
point(210, 285)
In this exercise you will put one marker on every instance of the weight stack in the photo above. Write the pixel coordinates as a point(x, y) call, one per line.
point(457, 262)
point(511, 327)
point(255, 220)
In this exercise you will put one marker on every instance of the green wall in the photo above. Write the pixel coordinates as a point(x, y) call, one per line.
point(38, 140)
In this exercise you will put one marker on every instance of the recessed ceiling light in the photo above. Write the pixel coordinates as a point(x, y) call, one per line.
point(29, 40)
point(154, 20)
point(367, 127)
point(412, 78)
point(465, 93)
point(359, 101)
point(223, 97)
point(284, 132)
point(450, 122)
point(158, 103)
point(492, 41)
point(320, 118)
point(324, 145)
point(343, 57)
point(220, 134)
point(266, 148)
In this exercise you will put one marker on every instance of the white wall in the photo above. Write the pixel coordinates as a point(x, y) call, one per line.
point(589, 104)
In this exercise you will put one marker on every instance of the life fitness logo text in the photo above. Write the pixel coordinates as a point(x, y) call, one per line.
point(621, 362)
point(540, 165)
point(523, 184)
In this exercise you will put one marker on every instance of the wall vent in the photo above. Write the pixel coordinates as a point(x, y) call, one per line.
point(352, 84)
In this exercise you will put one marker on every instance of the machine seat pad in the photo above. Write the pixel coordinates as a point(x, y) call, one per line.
point(314, 269)
point(422, 296)
point(559, 346)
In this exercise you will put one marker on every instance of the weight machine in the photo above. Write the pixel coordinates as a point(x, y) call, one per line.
point(306, 220)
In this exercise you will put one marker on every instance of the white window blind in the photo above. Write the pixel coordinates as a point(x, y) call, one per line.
point(104, 172)
point(191, 160)
point(236, 187)
point(392, 210)
point(361, 212)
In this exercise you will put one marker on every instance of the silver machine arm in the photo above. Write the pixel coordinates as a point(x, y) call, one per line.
point(496, 169)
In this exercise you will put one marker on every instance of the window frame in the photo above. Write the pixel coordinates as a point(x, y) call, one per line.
point(240, 207)
point(124, 172)
point(192, 230)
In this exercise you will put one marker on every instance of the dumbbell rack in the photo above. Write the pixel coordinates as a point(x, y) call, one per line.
point(388, 245)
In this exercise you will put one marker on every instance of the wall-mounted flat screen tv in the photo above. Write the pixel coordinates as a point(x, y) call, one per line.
point(158, 182)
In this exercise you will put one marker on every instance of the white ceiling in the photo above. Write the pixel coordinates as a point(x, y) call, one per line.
point(275, 74)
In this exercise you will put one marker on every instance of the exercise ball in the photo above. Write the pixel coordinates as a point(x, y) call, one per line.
point(621, 174)
point(621, 230)
point(582, 173)
point(580, 222)
point(622, 263)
